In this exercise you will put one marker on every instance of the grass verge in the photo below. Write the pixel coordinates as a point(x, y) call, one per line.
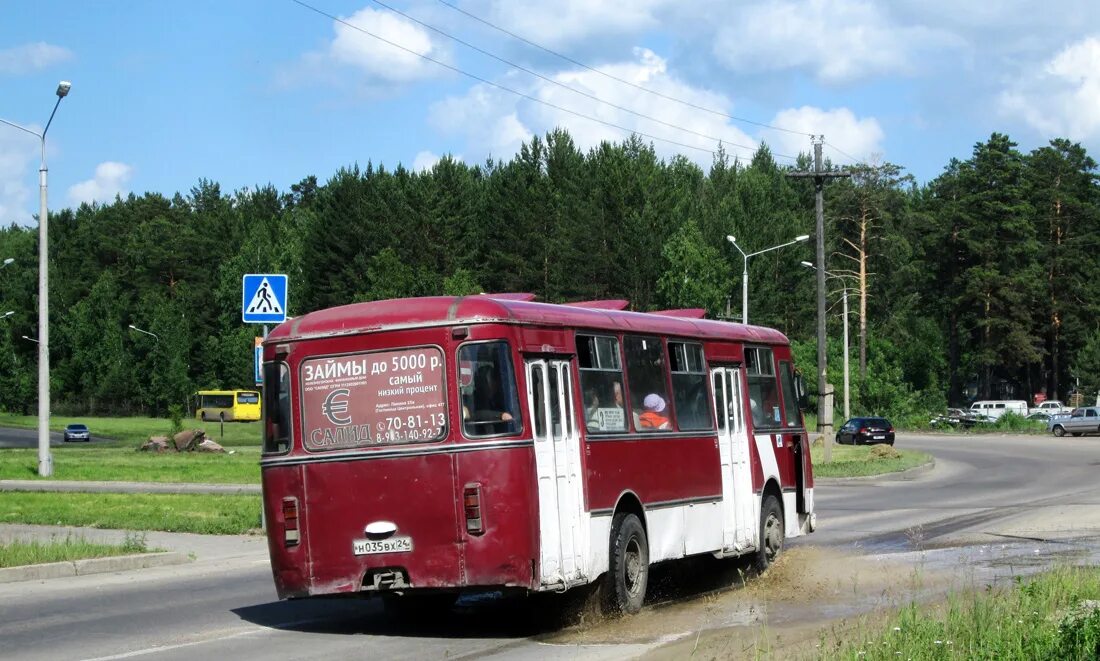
point(1045, 617)
point(859, 461)
point(203, 514)
point(17, 553)
point(84, 462)
point(134, 431)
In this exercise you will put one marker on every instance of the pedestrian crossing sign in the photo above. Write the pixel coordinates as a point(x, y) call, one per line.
point(263, 298)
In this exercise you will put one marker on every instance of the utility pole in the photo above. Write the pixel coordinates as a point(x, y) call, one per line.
point(825, 419)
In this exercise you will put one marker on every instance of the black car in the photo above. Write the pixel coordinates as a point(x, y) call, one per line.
point(77, 432)
point(862, 431)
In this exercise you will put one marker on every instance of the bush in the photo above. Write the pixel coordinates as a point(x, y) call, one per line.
point(175, 414)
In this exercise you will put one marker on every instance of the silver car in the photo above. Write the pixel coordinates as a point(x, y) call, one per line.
point(1084, 420)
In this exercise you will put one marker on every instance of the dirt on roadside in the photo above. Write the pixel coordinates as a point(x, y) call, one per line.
point(727, 614)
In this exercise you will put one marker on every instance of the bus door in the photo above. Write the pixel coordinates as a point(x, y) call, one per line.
point(558, 467)
point(738, 517)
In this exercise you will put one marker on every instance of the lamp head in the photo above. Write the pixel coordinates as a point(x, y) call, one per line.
point(7, 314)
point(9, 260)
point(729, 237)
point(808, 265)
point(133, 326)
point(804, 237)
point(63, 88)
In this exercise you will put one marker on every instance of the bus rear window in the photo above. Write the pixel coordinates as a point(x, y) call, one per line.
point(376, 398)
point(248, 398)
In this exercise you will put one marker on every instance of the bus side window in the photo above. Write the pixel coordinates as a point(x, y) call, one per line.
point(645, 368)
point(689, 386)
point(763, 390)
point(601, 382)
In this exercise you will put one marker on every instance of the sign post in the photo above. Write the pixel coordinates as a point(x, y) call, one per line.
point(263, 301)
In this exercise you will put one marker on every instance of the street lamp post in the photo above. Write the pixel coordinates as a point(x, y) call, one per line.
point(745, 271)
point(45, 461)
point(155, 336)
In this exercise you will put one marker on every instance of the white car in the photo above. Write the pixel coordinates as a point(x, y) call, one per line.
point(1050, 407)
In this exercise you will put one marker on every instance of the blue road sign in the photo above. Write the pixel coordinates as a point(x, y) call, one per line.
point(263, 298)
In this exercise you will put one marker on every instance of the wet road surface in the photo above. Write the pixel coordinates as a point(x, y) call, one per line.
point(995, 506)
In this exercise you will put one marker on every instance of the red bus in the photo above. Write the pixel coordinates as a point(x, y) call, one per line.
point(433, 445)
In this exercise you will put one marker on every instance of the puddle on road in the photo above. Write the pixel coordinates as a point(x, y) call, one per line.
point(812, 586)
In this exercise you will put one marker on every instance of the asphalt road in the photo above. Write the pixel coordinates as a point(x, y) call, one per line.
point(984, 488)
point(28, 438)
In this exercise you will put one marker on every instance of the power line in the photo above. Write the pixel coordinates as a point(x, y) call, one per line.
point(621, 80)
point(855, 161)
point(568, 87)
point(498, 85)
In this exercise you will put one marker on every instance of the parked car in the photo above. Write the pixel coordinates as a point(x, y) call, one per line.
point(1050, 407)
point(1042, 416)
point(953, 418)
point(995, 408)
point(1084, 420)
point(77, 432)
point(862, 431)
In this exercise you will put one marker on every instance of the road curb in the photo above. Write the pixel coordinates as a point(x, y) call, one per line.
point(128, 487)
point(71, 568)
point(899, 475)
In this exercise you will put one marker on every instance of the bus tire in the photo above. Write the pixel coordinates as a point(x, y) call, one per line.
point(771, 534)
point(628, 566)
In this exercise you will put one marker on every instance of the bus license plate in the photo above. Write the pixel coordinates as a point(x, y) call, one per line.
point(391, 545)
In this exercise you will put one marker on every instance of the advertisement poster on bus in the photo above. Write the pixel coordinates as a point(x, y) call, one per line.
point(374, 398)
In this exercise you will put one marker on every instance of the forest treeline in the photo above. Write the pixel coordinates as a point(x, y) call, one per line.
point(983, 282)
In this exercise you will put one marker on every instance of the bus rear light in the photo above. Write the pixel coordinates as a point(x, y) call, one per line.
point(290, 521)
point(471, 502)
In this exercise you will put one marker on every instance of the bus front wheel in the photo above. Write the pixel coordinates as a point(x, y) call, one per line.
point(771, 534)
point(628, 566)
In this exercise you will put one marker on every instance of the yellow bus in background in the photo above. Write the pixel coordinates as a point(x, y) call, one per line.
point(227, 405)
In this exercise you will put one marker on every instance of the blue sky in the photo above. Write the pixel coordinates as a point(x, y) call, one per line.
point(247, 92)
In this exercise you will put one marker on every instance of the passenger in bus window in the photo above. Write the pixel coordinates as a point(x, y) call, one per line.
point(492, 404)
point(654, 416)
point(605, 417)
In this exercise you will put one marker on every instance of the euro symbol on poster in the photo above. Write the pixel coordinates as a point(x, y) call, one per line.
point(332, 407)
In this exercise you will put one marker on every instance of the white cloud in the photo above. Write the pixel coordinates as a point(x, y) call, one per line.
point(18, 172)
point(862, 138)
point(837, 41)
point(110, 180)
point(1061, 97)
point(557, 24)
point(425, 160)
point(375, 61)
point(498, 122)
point(31, 57)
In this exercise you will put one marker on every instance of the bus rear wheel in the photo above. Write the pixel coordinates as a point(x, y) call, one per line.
point(628, 566)
point(771, 534)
